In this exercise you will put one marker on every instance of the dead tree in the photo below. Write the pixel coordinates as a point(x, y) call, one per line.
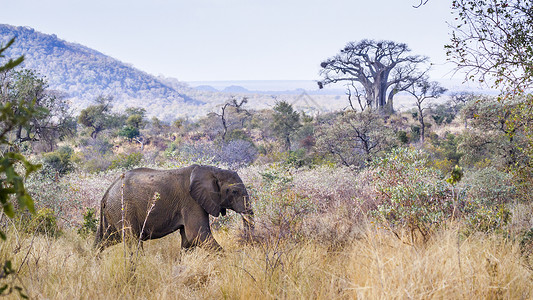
point(237, 106)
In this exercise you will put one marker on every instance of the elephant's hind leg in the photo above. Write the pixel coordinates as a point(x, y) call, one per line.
point(110, 237)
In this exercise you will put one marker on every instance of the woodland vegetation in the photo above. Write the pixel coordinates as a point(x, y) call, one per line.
point(366, 202)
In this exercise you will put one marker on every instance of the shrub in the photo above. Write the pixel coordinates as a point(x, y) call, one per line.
point(99, 145)
point(172, 147)
point(90, 223)
point(127, 161)
point(410, 194)
point(489, 186)
point(327, 186)
point(488, 191)
point(96, 164)
point(53, 193)
point(298, 158)
point(526, 246)
point(402, 137)
point(444, 151)
point(353, 138)
point(279, 209)
point(415, 133)
point(94, 155)
point(59, 161)
point(201, 152)
point(487, 219)
point(443, 113)
point(238, 134)
point(129, 132)
point(44, 222)
point(236, 154)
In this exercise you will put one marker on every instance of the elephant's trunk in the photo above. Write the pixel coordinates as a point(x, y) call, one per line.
point(248, 224)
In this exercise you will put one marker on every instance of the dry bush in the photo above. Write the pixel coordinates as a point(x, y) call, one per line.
point(326, 186)
point(326, 204)
point(68, 196)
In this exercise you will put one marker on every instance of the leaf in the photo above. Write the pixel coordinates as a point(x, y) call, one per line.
point(26, 201)
point(8, 210)
point(3, 288)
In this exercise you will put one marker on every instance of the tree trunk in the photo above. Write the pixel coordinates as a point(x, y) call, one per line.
point(381, 84)
point(19, 133)
point(288, 142)
point(389, 109)
point(422, 127)
point(382, 96)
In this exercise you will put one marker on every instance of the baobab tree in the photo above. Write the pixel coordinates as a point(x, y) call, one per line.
point(373, 68)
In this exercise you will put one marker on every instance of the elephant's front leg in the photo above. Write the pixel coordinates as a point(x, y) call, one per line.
point(184, 242)
point(197, 232)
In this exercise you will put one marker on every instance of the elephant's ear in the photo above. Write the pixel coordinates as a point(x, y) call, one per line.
point(205, 189)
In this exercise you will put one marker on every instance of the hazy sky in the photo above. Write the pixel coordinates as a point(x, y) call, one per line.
point(205, 40)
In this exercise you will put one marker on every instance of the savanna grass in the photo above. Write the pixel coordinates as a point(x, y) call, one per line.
point(375, 265)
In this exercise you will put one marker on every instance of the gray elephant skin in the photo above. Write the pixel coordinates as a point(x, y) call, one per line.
point(184, 199)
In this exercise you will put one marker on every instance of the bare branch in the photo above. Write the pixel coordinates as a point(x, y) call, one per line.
point(422, 2)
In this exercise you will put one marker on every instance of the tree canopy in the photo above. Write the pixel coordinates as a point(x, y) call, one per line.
point(493, 41)
point(97, 116)
point(51, 118)
point(286, 122)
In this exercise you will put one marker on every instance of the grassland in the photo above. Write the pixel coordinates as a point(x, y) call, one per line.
point(374, 265)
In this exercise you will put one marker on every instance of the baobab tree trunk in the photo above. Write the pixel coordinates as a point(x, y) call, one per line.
point(389, 108)
point(380, 88)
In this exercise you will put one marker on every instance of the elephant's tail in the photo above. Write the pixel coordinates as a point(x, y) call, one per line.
point(103, 223)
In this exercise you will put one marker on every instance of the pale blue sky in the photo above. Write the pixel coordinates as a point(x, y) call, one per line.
point(206, 40)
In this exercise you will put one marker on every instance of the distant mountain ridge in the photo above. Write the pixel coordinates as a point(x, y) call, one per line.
point(266, 87)
point(83, 73)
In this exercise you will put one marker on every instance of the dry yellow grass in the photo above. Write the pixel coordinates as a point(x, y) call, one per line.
point(374, 266)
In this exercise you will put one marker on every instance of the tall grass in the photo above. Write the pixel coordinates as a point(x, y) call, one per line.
point(376, 265)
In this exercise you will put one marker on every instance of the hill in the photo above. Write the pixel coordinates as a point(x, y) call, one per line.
point(83, 73)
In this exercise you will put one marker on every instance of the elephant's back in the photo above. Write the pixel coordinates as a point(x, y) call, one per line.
point(145, 185)
point(156, 173)
point(138, 186)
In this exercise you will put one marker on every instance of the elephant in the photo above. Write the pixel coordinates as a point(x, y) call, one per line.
point(159, 202)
